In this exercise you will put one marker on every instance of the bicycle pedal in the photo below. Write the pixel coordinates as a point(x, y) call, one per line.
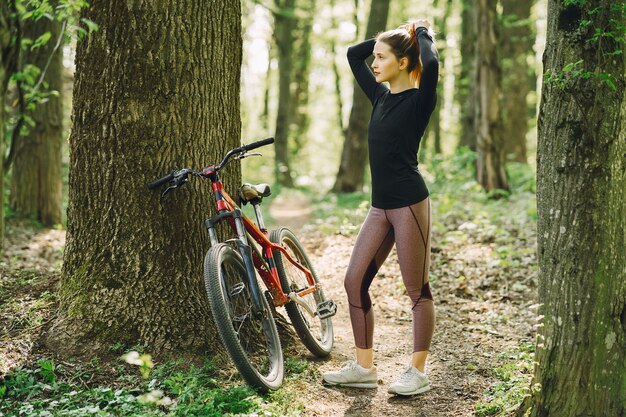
point(326, 309)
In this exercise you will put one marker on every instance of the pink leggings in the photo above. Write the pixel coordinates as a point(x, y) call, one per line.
point(409, 228)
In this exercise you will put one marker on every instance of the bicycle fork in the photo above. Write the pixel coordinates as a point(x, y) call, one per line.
point(246, 253)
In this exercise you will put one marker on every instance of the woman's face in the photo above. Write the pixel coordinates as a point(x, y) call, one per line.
point(386, 65)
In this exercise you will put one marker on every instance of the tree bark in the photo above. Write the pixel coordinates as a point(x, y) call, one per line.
point(466, 81)
point(581, 188)
point(490, 171)
point(284, 27)
point(516, 44)
point(335, 68)
point(8, 55)
point(441, 25)
point(36, 169)
point(156, 89)
point(354, 152)
point(301, 71)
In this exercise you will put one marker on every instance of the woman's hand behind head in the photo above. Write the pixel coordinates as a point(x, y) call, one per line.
point(421, 23)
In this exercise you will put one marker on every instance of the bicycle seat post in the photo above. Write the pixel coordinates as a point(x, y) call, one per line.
point(259, 216)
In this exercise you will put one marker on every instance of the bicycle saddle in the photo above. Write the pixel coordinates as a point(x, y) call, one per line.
point(249, 192)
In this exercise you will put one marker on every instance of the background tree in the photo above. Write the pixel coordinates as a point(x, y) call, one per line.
point(441, 24)
point(516, 46)
point(354, 153)
point(36, 164)
point(490, 171)
point(284, 28)
point(466, 88)
point(581, 205)
point(8, 55)
point(300, 119)
point(156, 88)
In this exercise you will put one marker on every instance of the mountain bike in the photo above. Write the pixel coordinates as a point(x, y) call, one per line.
point(232, 268)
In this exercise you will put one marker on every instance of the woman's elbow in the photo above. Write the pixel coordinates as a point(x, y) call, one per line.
point(350, 53)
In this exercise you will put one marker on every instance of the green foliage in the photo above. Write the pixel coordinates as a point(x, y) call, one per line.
point(46, 370)
point(28, 78)
point(173, 390)
point(514, 372)
point(341, 213)
point(65, 11)
point(144, 362)
point(609, 39)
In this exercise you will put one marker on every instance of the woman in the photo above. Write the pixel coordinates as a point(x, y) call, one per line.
point(407, 59)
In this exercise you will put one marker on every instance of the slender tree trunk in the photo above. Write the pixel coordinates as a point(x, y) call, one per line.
point(36, 168)
point(8, 55)
point(441, 25)
point(266, 94)
point(284, 26)
point(516, 44)
point(354, 154)
point(466, 81)
point(581, 189)
point(490, 171)
point(335, 67)
point(156, 89)
point(301, 71)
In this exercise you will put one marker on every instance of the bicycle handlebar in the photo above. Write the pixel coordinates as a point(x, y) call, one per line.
point(181, 175)
point(161, 181)
point(257, 144)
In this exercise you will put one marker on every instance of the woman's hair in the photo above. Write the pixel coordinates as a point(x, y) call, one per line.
point(403, 43)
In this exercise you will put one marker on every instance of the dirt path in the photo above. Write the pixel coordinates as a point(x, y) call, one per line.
point(483, 309)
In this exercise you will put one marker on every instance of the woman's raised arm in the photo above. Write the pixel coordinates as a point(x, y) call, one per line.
point(357, 55)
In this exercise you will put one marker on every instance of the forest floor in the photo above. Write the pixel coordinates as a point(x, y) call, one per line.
point(486, 309)
point(483, 278)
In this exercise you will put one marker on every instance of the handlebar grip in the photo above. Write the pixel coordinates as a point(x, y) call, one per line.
point(161, 181)
point(258, 144)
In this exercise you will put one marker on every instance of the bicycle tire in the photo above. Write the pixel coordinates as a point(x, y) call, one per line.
point(315, 333)
point(252, 342)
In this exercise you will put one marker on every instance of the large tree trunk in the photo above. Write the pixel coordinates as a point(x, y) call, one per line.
point(8, 54)
point(490, 171)
point(516, 44)
point(466, 81)
point(36, 168)
point(354, 153)
point(284, 27)
point(581, 189)
point(156, 89)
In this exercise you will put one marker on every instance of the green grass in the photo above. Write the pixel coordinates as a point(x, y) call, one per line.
point(49, 389)
point(514, 372)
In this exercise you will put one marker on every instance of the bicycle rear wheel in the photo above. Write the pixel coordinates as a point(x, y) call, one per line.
point(251, 340)
point(316, 333)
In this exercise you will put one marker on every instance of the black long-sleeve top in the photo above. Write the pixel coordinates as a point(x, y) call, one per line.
point(396, 126)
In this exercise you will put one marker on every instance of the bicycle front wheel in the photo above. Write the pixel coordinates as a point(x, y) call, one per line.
point(314, 332)
point(251, 339)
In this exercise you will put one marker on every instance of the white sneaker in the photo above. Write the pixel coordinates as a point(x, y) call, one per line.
point(353, 375)
point(411, 382)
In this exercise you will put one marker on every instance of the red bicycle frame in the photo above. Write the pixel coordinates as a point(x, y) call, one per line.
point(228, 209)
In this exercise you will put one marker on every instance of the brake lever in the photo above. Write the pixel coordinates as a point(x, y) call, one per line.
point(246, 154)
point(167, 191)
point(177, 182)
